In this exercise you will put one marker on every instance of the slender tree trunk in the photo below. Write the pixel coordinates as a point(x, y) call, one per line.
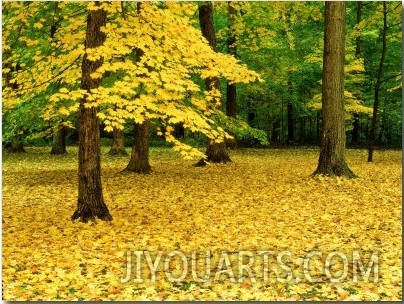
point(355, 123)
point(215, 152)
point(355, 129)
point(179, 131)
point(291, 123)
point(358, 20)
point(118, 143)
point(59, 140)
point(231, 99)
point(139, 159)
point(373, 128)
point(90, 201)
point(332, 151)
point(16, 145)
point(231, 89)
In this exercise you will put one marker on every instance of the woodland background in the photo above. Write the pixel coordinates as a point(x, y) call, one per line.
point(152, 76)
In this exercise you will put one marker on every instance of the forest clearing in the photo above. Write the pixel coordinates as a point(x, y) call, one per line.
point(264, 200)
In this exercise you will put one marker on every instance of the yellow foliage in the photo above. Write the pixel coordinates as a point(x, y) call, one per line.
point(271, 203)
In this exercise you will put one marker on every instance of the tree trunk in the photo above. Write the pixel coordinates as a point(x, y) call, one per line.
point(231, 100)
point(90, 201)
point(118, 144)
point(332, 150)
point(358, 20)
point(215, 152)
point(291, 123)
point(231, 90)
point(16, 145)
point(373, 128)
point(139, 158)
point(59, 140)
point(355, 130)
point(276, 126)
point(179, 131)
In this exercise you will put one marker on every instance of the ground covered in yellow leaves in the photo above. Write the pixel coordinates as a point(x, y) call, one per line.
point(265, 200)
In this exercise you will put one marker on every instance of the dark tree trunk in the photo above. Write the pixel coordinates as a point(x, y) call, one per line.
point(291, 123)
point(90, 201)
point(276, 126)
point(355, 130)
point(231, 90)
point(118, 143)
point(231, 100)
point(373, 127)
point(179, 131)
point(302, 135)
point(215, 152)
point(59, 140)
point(139, 158)
point(332, 151)
point(358, 20)
point(16, 145)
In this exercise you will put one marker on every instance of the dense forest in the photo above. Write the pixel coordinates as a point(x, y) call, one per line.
point(282, 42)
point(202, 150)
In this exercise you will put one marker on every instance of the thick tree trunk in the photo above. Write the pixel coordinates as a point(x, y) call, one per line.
point(215, 152)
point(139, 158)
point(118, 143)
point(373, 128)
point(90, 201)
point(332, 151)
point(59, 140)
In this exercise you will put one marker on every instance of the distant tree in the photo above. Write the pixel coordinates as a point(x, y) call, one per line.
point(332, 150)
point(139, 158)
point(59, 139)
point(215, 152)
point(118, 143)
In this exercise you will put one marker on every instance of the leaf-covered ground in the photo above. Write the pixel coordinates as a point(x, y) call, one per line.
point(264, 200)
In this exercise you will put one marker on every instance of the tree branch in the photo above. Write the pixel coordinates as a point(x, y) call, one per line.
point(52, 78)
point(391, 77)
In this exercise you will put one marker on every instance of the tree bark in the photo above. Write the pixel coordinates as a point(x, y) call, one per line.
point(90, 201)
point(59, 140)
point(291, 123)
point(373, 127)
point(332, 150)
point(231, 89)
point(215, 152)
point(118, 143)
point(355, 130)
point(139, 159)
point(16, 145)
point(358, 20)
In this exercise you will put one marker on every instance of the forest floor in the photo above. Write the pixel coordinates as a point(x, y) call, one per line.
point(316, 229)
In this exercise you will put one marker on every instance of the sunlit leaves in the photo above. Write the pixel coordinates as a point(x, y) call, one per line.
point(271, 203)
point(161, 83)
